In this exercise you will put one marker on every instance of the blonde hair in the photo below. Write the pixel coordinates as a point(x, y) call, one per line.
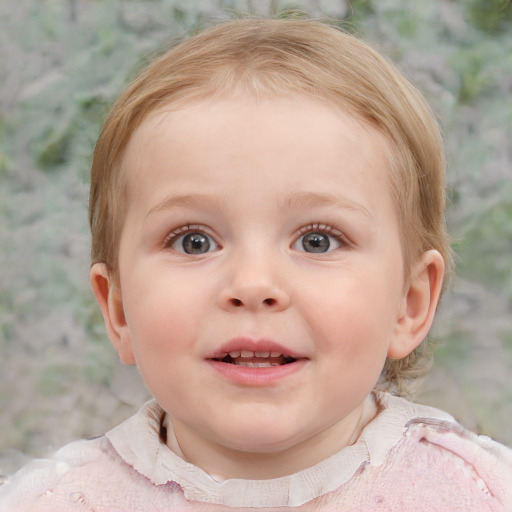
point(266, 58)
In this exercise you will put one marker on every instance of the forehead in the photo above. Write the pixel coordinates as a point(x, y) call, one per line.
point(226, 137)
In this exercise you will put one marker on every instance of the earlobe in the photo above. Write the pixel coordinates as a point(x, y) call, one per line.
point(109, 299)
point(420, 302)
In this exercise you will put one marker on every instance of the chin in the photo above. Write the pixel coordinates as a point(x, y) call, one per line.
point(263, 439)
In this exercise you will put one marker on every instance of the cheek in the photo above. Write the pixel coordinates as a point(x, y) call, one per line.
point(352, 321)
point(162, 337)
point(159, 318)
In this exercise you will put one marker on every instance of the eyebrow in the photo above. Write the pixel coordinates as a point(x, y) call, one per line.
point(300, 200)
point(297, 201)
point(182, 200)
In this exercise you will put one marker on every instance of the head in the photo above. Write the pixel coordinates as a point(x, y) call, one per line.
point(266, 59)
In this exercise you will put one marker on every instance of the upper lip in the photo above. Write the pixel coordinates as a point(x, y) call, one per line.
point(253, 345)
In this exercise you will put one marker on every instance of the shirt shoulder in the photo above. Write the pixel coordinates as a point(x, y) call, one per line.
point(87, 476)
point(483, 461)
point(436, 465)
point(438, 432)
point(41, 484)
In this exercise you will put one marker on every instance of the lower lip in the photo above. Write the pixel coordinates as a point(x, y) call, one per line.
point(257, 377)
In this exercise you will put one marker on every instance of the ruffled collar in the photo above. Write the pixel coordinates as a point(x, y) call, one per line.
point(138, 442)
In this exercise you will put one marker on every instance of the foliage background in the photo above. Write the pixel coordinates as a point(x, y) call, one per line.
point(62, 62)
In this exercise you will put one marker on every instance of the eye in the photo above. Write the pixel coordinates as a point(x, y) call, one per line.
point(318, 240)
point(192, 242)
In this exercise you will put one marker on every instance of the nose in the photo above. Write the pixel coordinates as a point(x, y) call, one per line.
point(254, 285)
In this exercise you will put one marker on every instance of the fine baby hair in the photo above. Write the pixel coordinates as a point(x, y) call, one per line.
point(269, 248)
point(266, 58)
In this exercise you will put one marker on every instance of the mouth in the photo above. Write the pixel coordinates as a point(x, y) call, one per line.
point(250, 359)
point(256, 362)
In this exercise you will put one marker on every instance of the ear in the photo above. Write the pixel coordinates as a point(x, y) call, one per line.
point(419, 306)
point(108, 295)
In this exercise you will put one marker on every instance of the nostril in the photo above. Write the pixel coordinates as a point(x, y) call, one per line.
point(238, 303)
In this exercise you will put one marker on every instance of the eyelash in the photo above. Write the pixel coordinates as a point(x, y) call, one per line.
point(327, 229)
point(316, 227)
point(183, 230)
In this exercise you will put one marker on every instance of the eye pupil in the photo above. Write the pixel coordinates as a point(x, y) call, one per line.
point(196, 243)
point(315, 242)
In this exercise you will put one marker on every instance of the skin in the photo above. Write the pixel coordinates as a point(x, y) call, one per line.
point(254, 179)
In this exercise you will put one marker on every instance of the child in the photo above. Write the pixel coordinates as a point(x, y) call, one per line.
point(269, 249)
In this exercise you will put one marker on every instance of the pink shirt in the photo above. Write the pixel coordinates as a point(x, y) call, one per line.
point(408, 458)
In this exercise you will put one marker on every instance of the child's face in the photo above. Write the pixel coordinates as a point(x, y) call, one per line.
point(257, 230)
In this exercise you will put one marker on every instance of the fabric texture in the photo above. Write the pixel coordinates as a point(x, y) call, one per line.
point(408, 458)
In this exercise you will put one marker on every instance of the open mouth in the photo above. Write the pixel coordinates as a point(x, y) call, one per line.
point(255, 359)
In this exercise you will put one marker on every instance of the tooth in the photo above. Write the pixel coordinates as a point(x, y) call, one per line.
point(235, 354)
point(247, 353)
point(252, 364)
point(262, 354)
point(275, 354)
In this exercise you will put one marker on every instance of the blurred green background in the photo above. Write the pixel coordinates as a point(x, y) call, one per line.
point(62, 62)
